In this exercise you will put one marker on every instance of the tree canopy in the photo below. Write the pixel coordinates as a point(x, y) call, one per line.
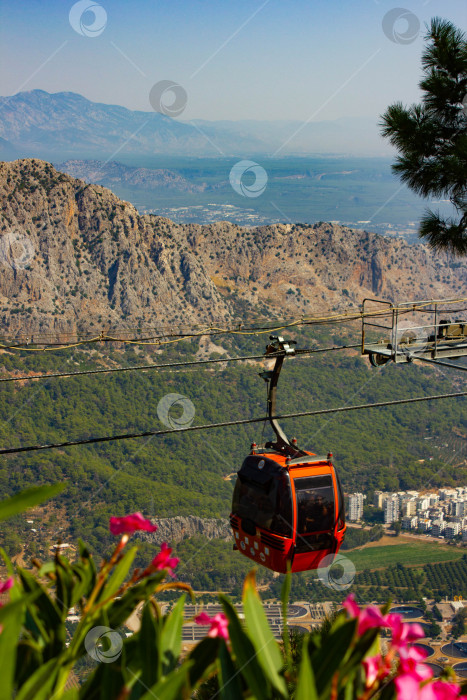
point(431, 137)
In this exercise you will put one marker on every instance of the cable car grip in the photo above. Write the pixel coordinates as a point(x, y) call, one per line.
point(280, 348)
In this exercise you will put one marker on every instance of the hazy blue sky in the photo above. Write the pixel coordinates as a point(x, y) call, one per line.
point(236, 59)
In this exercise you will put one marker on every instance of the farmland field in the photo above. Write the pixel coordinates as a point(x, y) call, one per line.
point(415, 554)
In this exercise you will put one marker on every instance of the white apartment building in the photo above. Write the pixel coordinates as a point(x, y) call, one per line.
point(438, 527)
point(452, 530)
point(423, 503)
point(409, 522)
point(436, 514)
point(379, 498)
point(391, 509)
point(458, 508)
point(424, 524)
point(409, 507)
point(355, 506)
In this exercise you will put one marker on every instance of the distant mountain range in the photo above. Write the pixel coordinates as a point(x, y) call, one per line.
point(66, 125)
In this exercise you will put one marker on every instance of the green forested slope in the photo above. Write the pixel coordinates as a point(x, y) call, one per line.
point(183, 474)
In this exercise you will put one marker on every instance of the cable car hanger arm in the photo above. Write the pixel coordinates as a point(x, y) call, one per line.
point(284, 347)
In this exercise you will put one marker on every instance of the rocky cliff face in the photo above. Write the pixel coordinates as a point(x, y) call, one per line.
point(181, 527)
point(73, 257)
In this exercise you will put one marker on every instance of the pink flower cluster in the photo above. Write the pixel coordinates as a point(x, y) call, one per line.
point(134, 522)
point(413, 681)
point(4, 587)
point(409, 688)
point(218, 624)
point(130, 523)
point(163, 560)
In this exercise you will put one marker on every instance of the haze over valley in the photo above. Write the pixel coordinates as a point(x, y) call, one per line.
point(182, 170)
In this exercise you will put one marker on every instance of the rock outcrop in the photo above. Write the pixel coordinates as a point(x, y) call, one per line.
point(75, 258)
point(182, 527)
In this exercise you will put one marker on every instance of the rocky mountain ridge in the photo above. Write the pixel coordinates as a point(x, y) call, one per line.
point(74, 257)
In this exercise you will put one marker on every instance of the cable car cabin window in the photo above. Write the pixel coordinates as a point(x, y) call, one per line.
point(268, 505)
point(315, 543)
point(315, 504)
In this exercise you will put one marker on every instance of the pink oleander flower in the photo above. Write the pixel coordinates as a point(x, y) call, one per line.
point(6, 585)
point(351, 605)
point(163, 560)
point(403, 632)
point(219, 624)
point(130, 523)
point(409, 688)
point(367, 618)
point(372, 666)
point(446, 691)
point(370, 617)
point(410, 663)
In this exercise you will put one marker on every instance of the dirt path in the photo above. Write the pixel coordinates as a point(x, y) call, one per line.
point(387, 541)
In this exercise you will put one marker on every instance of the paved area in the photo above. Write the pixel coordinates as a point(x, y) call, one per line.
point(306, 616)
point(302, 616)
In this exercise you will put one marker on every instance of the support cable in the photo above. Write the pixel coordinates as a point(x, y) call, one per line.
point(304, 351)
point(342, 317)
point(438, 362)
point(226, 424)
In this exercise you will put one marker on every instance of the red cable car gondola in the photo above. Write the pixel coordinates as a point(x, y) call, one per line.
point(287, 506)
